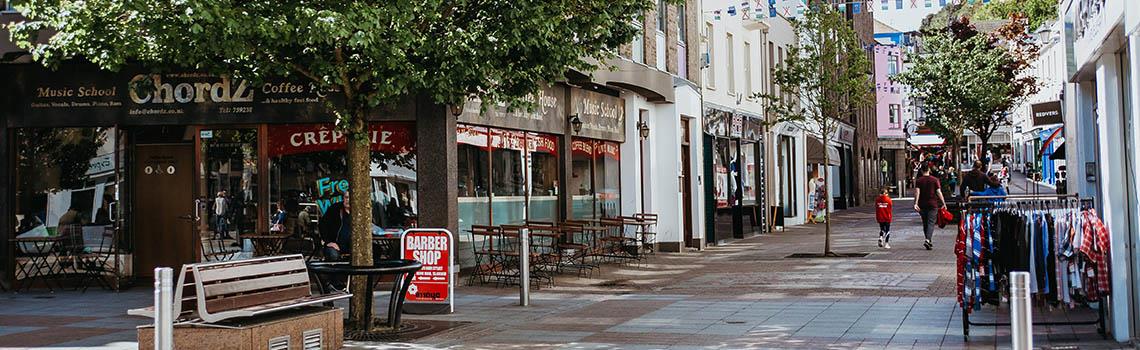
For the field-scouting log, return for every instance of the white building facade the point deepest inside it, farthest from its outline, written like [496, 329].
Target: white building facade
[754, 171]
[1101, 50]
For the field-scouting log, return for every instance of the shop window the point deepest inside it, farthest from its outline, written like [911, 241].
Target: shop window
[581, 184]
[543, 204]
[309, 174]
[474, 175]
[508, 181]
[748, 169]
[230, 170]
[506, 177]
[607, 160]
[67, 182]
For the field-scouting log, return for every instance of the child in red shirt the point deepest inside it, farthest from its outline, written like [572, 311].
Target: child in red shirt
[884, 208]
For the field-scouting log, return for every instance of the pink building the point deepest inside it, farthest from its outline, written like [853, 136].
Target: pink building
[889, 95]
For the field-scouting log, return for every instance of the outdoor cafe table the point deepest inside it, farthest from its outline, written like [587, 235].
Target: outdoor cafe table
[39, 253]
[403, 269]
[267, 244]
[388, 244]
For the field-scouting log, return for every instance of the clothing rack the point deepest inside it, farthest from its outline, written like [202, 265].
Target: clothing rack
[1070, 199]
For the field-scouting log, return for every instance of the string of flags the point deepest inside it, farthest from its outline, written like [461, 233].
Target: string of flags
[795, 8]
[782, 8]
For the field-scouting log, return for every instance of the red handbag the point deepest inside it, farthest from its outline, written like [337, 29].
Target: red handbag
[945, 217]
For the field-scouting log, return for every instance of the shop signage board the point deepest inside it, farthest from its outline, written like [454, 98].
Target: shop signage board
[547, 112]
[80, 94]
[389, 137]
[603, 116]
[433, 284]
[1047, 113]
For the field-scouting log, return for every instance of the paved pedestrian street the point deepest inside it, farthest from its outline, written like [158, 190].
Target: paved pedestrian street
[741, 295]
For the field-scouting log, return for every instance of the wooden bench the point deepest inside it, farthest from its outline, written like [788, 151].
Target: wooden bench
[213, 292]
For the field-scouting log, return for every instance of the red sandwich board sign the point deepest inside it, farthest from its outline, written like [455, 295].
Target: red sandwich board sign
[433, 284]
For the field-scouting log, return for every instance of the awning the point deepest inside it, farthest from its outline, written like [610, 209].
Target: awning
[925, 140]
[815, 151]
[1059, 153]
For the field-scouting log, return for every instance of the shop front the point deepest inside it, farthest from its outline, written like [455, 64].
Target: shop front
[733, 149]
[558, 161]
[179, 165]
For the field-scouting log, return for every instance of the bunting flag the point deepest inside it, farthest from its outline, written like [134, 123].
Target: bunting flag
[716, 15]
[842, 8]
[799, 10]
[732, 11]
[856, 8]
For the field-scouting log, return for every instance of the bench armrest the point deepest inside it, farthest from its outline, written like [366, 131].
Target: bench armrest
[144, 312]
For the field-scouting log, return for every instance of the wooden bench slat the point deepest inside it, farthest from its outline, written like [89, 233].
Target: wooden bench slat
[239, 286]
[254, 299]
[227, 273]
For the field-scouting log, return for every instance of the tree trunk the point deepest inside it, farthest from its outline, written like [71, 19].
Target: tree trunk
[825, 131]
[360, 188]
[827, 199]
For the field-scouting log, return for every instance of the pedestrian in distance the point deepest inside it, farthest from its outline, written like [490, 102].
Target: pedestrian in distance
[884, 210]
[928, 201]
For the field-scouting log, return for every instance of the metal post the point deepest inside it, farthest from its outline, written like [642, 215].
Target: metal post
[163, 308]
[1020, 312]
[524, 267]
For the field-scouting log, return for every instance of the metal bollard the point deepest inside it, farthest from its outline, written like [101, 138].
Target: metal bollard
[524, 267]
[163, 308]
[1020, 311]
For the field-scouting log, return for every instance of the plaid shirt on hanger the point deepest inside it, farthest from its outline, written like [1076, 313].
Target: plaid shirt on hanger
[1095, 246]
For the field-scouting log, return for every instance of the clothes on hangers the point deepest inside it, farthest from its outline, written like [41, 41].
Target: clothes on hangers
[1066, 252]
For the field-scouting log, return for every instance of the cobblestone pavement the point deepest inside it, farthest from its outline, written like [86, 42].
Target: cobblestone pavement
[741, 295]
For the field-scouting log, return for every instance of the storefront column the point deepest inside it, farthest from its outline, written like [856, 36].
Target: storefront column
[8, 250]
[436, 167]
[1133, 134]
[1112, 179]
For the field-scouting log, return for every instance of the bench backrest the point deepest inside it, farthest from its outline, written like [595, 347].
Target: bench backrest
[233, 285]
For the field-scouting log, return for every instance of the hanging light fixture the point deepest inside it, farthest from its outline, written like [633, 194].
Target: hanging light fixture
[575, 123]
[643, 128]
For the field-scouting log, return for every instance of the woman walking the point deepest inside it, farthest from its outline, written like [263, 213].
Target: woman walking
[928, 201]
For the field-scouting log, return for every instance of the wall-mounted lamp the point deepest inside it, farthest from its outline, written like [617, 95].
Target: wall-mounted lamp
[455, 109]
[575, 123]
[643, 129]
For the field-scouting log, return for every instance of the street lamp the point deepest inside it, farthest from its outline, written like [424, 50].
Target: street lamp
[643, 129]
[575, 123]
[455, 109]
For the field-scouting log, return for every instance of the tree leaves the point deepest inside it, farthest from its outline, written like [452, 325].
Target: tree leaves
[968, 80]
[826, 77]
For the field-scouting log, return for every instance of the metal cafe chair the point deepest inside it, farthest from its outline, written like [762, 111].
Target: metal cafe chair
[647, 230]
[617, 245]
[544, 252]
[508, 253]
[96, 263]
[487, 260]
[574, 248]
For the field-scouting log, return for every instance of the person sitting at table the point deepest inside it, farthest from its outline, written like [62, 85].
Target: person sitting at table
[335, 227]
[277, 222]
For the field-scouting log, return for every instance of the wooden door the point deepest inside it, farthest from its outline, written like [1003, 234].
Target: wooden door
[686, 198]
[686, 186]
[164, 232]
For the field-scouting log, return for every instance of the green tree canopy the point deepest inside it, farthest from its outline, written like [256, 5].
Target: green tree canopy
[968, 80]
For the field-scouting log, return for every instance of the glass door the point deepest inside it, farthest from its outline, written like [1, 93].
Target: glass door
[228, 175]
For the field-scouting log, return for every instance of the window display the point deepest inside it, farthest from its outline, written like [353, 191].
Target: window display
[596, 175]
[308, 173]
[67, 179]
[543, 177]
[506, 176]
